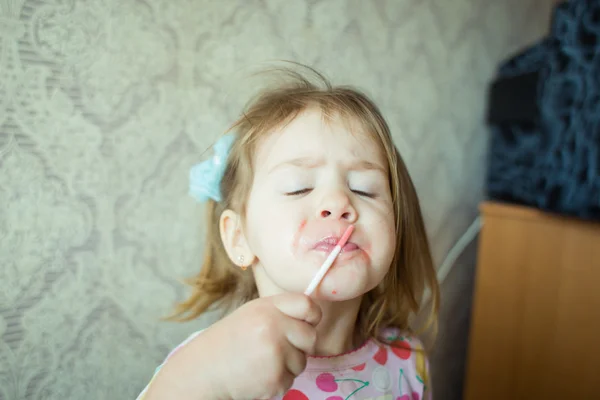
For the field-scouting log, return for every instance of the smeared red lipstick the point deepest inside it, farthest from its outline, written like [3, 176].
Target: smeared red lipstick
[298, 234]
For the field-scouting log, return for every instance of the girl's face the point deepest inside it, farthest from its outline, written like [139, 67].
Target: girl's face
[312, 180]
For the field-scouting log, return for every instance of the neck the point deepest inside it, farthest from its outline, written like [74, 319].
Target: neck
[336, 331]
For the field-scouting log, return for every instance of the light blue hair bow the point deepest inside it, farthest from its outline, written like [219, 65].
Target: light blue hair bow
[205, 178]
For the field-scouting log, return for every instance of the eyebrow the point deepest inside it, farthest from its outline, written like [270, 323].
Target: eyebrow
[311, 163]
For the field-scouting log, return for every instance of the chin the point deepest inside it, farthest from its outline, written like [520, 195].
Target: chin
[335, 298]
[334, 288]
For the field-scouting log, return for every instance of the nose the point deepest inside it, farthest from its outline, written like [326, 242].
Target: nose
[336, 205]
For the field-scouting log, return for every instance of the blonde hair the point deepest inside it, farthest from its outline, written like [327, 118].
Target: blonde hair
[397, 298]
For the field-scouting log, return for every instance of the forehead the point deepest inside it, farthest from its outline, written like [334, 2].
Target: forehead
[310, 134]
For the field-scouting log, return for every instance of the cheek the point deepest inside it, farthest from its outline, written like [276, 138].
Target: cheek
[393, 242]
[273, 236]
[387, 238]
[298, 234]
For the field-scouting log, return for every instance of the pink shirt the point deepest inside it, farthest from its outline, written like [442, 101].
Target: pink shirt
[375, 371]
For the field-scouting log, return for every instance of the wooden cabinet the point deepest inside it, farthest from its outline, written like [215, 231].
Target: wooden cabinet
[535, 328]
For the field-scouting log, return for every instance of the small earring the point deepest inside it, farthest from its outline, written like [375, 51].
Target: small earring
[241, 262]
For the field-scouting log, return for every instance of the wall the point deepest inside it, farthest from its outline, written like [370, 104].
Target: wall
[104, 106]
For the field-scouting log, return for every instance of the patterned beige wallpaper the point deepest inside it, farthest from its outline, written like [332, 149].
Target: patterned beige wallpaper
[104, 106]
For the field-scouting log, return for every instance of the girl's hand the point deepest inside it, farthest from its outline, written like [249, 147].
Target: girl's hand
[254, 353]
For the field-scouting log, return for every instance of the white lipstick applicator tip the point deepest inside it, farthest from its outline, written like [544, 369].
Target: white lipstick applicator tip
[329, 261]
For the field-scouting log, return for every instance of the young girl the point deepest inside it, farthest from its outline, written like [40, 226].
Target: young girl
[305, 162]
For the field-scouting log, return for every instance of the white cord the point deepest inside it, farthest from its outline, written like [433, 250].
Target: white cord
[460, 246]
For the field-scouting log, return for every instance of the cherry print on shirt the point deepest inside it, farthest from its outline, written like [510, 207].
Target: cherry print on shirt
[415, 396]
[335, 398]
[381, 356]
[347, 387]
[327, 383]
[363, 383]
[295, 394]
[359, 367]
[401, 349]
[400, 381]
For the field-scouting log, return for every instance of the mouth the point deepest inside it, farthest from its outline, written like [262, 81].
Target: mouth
[328, 244]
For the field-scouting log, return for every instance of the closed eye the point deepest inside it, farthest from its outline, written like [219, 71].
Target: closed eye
[364, 194]
[299, 192]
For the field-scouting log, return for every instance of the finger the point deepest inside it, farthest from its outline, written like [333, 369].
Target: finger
[295, 361]
[286, 384]
[298, 306]
[301, 335]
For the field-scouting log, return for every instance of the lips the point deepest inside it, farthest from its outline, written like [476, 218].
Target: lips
[328, 244]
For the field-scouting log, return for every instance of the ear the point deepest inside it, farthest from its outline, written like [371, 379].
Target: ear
[234, 240]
